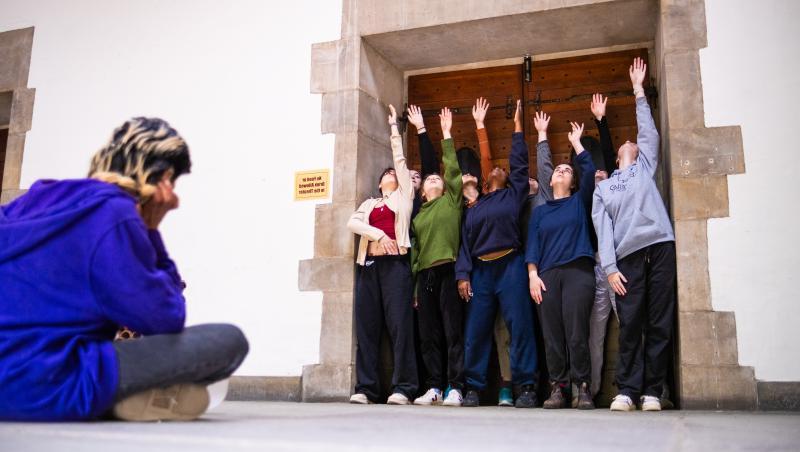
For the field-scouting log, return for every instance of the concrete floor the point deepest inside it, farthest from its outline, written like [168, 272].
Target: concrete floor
[266, 426]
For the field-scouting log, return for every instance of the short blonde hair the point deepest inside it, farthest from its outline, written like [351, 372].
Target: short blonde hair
[138, 155]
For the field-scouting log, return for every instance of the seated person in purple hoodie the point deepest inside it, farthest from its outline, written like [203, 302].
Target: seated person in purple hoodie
[81, 258]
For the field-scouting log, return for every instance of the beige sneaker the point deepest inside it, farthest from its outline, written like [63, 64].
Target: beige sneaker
[622, 403]
[183, 402]
[398, 399]
[650, 403]
[360, 399]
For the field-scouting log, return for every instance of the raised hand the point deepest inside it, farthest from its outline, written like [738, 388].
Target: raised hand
[479, 112]
[415, 117]
[446, 120]
[637, 72]
[541, 120]
[575, 136]
[392, 115]
[518, 117]
[598, 106]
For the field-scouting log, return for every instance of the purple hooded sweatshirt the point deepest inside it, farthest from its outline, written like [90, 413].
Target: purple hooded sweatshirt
[76, 263]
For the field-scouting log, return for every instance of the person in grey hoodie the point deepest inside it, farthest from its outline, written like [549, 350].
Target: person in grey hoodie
[636, 245]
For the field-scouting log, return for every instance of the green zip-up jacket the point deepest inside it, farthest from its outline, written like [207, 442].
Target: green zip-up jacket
[437, 226]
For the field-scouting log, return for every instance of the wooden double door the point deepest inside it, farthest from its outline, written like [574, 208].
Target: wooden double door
[561, 88]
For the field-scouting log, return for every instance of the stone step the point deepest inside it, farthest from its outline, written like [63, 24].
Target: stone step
[717, 387]
[708, 338]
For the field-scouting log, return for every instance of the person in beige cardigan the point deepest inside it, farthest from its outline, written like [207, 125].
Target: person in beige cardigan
[384, 282]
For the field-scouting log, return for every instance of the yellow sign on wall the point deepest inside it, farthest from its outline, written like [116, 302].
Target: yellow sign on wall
[311, 184]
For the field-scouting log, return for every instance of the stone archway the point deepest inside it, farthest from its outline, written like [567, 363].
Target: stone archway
[360, 74]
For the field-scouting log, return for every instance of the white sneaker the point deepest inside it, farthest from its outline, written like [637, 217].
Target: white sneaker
[398, 399]
[650, 403]
[360, 399]
[453, 398]
[622, 403]
[432, 397]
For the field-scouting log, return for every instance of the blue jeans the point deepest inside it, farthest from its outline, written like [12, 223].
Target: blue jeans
[200, 354]
[502, 282]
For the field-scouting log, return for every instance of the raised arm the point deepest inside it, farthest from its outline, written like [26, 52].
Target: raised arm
[452, 173]
[400, 167]
[587, 168]
[647, 138]
[426, 152]
[544, 159]
[479, 115]
[518, 161]
[598, 108]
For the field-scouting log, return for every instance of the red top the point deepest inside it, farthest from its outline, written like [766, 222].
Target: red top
[383, 218]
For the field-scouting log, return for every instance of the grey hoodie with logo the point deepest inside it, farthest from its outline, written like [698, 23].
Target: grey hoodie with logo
[627, 211]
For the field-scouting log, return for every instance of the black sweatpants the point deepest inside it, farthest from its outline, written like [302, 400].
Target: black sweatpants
[564, 314]
[646, 310]
[383, 296]
[441, 326]
[201, 354]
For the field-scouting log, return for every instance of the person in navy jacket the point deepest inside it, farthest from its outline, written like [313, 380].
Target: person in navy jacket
[490, 270]
[560, 261]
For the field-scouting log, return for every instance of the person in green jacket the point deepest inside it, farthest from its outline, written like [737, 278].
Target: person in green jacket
[437, 229]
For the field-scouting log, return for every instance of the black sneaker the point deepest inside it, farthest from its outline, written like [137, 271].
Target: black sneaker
[527, 397]
[471, 399]
[556, 399]
[585, 401]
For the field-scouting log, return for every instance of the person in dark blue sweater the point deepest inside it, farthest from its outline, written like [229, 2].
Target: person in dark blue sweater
[81, 258]
[561, 272]
[491, 271]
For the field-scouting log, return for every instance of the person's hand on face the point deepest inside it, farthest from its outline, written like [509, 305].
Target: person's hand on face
[163, 200]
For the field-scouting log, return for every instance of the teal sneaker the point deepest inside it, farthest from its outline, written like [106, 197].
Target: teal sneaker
[506, 398]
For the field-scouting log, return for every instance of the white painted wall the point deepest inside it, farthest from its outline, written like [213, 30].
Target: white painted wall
[750, 77]
[233, 78]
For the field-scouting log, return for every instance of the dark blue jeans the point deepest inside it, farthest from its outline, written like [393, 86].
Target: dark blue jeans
[200, 354]
[504, 283]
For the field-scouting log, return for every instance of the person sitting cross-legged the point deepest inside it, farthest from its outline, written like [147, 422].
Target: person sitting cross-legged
[80, 259]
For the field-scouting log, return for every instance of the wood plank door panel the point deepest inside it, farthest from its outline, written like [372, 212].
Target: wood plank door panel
[560, 87]
[563, 89]
[459, 90]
